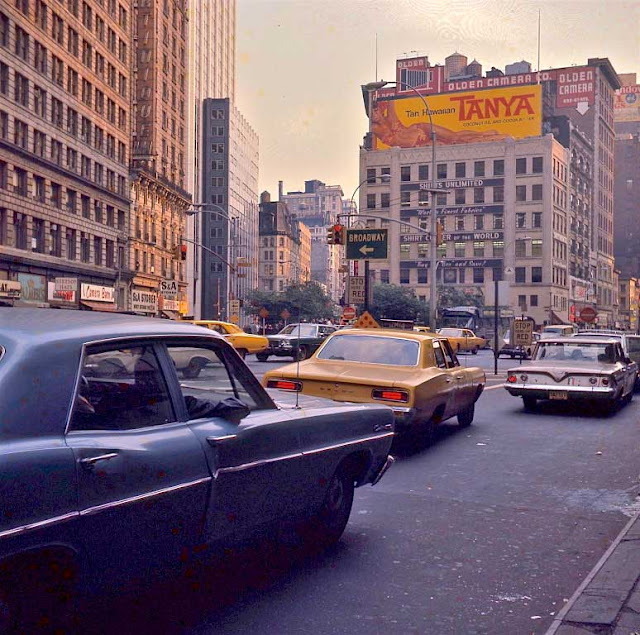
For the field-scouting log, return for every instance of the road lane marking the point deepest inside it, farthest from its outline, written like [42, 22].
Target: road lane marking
[492, 387]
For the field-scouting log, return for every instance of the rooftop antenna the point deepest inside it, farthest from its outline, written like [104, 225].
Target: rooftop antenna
[376, 56]
[538, 46]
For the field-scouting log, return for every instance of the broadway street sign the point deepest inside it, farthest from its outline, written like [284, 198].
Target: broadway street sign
[367, 244]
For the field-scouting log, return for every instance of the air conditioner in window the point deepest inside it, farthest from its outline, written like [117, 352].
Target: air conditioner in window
[54, 227]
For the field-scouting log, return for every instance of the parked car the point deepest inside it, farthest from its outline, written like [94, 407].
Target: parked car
[244, 343]
[296, 340]
[523, 352]
[556, 330]
[463, 339]
[630, 344]
[417, 374]
[111, 475]
[578, 368]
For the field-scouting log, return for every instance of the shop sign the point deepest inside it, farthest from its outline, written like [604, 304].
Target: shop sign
[63, 290]
[34, 288]
[458, 264]
[66, 284]
[10, 289]
[144, 301]
[96, 293]
[169, 289]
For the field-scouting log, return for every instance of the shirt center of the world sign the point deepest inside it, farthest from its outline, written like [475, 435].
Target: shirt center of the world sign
[367, 244]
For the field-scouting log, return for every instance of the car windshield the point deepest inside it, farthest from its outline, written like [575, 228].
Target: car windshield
[373, 349]
[575, 352]
[451, 332]
[300, 330]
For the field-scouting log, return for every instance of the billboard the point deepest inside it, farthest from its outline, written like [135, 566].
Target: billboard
[458, 118]
[627, 104]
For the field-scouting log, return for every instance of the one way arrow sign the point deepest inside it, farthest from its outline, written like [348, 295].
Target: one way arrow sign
[371, 244]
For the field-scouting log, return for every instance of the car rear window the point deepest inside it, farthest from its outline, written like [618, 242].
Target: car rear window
[372, 349]
[633, 347]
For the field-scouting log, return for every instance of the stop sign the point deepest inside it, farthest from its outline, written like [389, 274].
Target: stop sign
[348, 313]
[588, 314]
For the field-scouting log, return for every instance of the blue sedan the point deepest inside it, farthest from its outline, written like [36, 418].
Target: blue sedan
[118, 460]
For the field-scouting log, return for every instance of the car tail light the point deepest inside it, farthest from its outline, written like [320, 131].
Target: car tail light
[285, 384]
[605, 381]
[389, 394]
[593, 380]
[512, 379]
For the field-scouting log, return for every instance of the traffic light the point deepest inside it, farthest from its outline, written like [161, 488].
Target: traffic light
[335, 234]
[439, 234]
[180, 252]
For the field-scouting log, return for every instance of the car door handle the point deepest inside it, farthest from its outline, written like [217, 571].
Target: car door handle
[379, 427]
[90, 461]
[213, 441]
[459, 377]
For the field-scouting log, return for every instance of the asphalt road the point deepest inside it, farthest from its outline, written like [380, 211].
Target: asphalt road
[483, 530]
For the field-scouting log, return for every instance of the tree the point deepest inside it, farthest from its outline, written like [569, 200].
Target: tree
[451, 296]
[394, 302]
[306, 301]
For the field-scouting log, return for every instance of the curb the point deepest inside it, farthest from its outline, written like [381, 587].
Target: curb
[562, 614]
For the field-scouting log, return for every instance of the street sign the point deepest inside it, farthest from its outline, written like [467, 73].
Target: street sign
[356, 290]
[284, 314]
[234, 306]
[522, 333]
[366, 321]
[348, 313]
[588, 314]
[367, 244]
[263, 313]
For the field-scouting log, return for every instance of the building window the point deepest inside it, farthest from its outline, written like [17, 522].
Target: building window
[384, 200]
[498, 248]
[461, 170]
[56, 239]
[97, 211]
[423, 172]
[20, 230]
[423, 276]
[423, 197]
[56, 152]
[478, 221]
[521, 248]
[498, 167]
[3, 175]
[536, 248]
[39, 187]
[37, 241]
[478, 275]
[21, 90]
[459, 249]
[40, 58]
[536, 219]
[39, 143]
[85, 248]
[405, 173]
[533, 300]
[371, 175]
[536, 192]
[478, 168]
[72, 200]
[460, 223]
[521, 193]
[521, 165]
[22, 44]
[521, 275]
[478, 195]
[442, 170]
[20, 133]
[405, 199]
[4, 78]
[71, 244]
[404, 276]
[498, 194]
[97, 250]
[441, 199]
[56, 195]
[461, 196]
[536, 274]
[371, 201]
[22, 187]
[521, 220]
[537, 166]
[478, 249]
[405, 252]
[110, 254]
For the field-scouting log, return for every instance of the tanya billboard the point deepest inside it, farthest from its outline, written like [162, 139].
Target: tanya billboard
[464, 117]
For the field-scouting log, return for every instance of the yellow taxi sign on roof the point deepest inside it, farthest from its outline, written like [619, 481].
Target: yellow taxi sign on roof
[366, 321]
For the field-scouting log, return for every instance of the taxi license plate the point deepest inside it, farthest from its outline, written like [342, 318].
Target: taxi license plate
[557, 394]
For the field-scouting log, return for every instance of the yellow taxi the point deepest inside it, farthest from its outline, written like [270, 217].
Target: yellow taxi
[244, 343]
[463, 339]
[416, 374]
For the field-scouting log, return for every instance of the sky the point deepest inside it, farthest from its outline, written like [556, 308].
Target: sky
[300, 64]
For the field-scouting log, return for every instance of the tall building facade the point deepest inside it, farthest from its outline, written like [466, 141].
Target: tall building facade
[65, 125]
[285, 247]
[504, 216]
[318, 208]
[228, 218]
[577, 106]
[158, 188]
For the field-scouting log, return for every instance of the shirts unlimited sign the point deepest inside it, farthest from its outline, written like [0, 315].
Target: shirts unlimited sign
[144, 301]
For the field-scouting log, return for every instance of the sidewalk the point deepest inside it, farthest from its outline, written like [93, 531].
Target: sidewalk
[608, 600]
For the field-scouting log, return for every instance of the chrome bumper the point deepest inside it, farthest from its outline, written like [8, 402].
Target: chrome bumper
[596, 392]
[387, 464]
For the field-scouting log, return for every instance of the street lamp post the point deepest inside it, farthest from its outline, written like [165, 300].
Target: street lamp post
[433, 296]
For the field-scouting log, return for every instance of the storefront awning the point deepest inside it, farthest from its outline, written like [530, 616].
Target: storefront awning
[100, 306]
[172, 315]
